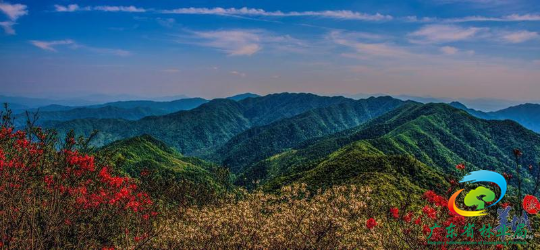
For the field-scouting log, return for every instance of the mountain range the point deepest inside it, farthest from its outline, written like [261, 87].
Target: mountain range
[527, 114]
[279, 139]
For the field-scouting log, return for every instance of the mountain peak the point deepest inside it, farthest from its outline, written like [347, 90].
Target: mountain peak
[243, 96]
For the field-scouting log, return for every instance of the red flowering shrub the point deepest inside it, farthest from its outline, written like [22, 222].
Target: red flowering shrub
[65, 199]
[460, 166]
[395, 212]
[371, 223]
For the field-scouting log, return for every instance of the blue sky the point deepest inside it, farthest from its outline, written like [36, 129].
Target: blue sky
[440, 48]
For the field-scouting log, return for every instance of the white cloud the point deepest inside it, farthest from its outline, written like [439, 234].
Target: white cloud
[68, 8]
[232, 42]
[519, 36]
[170, 71]
[51, 44]
[448, 50]
[8, 27]
[371, 49]
[243, 42]
[337, 14]
[443, 34]
[119, 9]
[13, 11]
[240, 74]
[105, 8]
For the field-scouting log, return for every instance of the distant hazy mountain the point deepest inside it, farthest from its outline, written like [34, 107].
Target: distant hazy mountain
[242, 96]
[28, 102]
[527, 115]
[163, 107]
[81, 113]
[127, 110]
[206, 127]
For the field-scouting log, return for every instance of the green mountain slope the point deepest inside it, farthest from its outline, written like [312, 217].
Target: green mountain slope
[258, 143]
[166, 168]
[361, 163]
[437, 135]
[206, 127]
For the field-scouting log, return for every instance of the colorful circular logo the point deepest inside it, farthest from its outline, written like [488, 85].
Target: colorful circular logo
[479, 196]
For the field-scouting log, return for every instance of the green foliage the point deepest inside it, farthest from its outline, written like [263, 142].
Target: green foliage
[165, 173]
[261, 142]
[436, 134]
[206, 127]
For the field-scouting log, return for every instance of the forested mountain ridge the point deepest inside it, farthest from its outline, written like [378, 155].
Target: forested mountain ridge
[206, 127]
[260, 142]
[437, 135]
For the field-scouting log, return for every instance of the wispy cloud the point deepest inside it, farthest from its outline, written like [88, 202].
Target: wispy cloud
[369, 49]
[508, 18]
[105, 8]
[8, 27]
[337, 14]
[49, 45]
[52, 46]
[236, 73]
[170, 71]
[232, 42]
[448, 50]
[519, 36]
[242, 42]
[13, 12]
[444, 34]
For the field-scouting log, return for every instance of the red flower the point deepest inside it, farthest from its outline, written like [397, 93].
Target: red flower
[426, 230]
[429, 212]
[508, 176]
[371, 223]
[395, 212]
[407, 218]
[418, 221]
[460, 166]
[505, 205]
[499, 246]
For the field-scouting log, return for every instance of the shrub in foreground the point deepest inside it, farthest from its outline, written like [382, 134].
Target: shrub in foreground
[53, 198]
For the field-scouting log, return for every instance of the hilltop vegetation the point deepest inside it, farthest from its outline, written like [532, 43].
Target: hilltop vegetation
[206, 127]
[435, 134]
[322, 172]
[258, 143]
[166, 173]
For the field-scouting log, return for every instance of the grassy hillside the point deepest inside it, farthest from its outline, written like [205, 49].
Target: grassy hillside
[437, 135]
[258, 143]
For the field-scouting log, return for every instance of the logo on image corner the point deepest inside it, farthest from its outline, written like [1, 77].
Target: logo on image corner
[481, 195]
